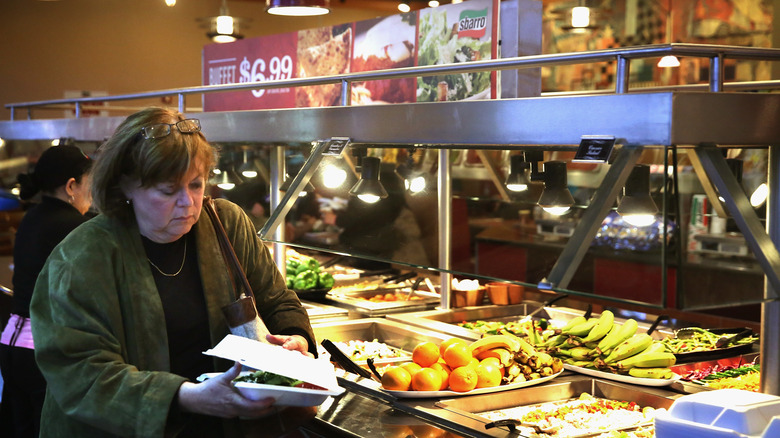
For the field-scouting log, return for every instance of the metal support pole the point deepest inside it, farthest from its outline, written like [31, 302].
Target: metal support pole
[278, 170]
[298, 183]
[770, 309]
[78, 109]
[346, 93]
[744, 215]
[622, 74]
[603, 199]
[445, 227]
[716, 73]
[182, 104]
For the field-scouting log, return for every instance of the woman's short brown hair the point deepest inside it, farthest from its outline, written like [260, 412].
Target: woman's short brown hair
[129, 156]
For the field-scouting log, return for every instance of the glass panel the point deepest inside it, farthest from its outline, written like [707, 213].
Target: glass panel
[502, 235]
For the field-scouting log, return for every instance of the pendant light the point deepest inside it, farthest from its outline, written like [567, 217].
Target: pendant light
[404, 6]
[637, 207]
[297, 8]
[248, 168]
[368, 189]
[556, 198]
[517, 180]
[224, 27]
[669, 60]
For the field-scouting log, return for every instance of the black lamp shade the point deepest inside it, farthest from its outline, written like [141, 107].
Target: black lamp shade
[637, 206]
[517, 181]
[368, 186]
[556, 193]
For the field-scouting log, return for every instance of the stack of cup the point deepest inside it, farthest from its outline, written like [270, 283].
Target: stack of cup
[501, 294]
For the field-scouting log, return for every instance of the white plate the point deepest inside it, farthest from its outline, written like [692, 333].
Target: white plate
[429, 394]
[621, 377]
[284, 395]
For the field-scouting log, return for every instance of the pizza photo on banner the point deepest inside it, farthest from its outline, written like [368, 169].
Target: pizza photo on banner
[324, 51]
[456, 33]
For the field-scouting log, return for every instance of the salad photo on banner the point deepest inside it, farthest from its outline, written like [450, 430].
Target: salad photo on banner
[457, 33]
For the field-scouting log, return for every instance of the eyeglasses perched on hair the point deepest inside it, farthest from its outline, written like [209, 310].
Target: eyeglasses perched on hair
[186, 126]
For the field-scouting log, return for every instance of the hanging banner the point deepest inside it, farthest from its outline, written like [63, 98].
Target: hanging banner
[452, 33]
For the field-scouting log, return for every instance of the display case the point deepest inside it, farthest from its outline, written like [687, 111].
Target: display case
[474, 227]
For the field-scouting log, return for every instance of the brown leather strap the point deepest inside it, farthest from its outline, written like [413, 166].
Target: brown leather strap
[227, 249]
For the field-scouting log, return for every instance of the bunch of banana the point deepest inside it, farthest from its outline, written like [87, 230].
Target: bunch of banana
[611, 347]
[520, 359]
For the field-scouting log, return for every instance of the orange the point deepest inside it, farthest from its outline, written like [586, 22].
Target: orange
[463, 379]
[445, 374]
[488, 375]
[425, 354]
[396, 379]
[427, 379]
[443, 346]
[473, 362]
[494, 361]
[411, 367]
[457, 355]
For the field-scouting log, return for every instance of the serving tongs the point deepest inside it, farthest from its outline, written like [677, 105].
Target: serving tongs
[726, 340]
[344, 361]
[548, 303]
[512, 424]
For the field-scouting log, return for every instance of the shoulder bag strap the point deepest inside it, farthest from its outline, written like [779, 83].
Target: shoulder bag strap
[227, 249]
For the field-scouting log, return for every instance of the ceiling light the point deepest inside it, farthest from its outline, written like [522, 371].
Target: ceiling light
[637, 207]
[297, 8]
[368, 188]
[404, 6]
[227, 180]
[223, 28]
[517, 181]
[580, 17]
[556, 198]
[669, 61]
[758, 197]
[414, 180]
[433, 4]
[170, 3]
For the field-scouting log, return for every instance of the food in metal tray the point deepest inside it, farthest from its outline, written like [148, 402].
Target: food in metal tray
[359, 351]
[745, 376]
[700, 339]
[584, 415]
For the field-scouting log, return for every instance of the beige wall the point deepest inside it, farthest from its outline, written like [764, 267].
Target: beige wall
[118, 46]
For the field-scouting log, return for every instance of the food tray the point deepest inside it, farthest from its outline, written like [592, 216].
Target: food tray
[621, 377]
[690, 387]
[358, 301]
[439, 394]
[282, 395]
[698, 356]
[463, 413]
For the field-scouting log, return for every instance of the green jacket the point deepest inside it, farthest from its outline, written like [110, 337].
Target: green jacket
[99, 329]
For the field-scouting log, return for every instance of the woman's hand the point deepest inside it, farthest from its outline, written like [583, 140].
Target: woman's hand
[293, 342]
[217, 397]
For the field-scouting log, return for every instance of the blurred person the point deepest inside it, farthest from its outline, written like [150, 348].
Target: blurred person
[128, 303]
[61, 177]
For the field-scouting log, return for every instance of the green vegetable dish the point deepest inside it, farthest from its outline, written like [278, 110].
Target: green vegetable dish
[268, 379]
[440, 45]
[306, 275]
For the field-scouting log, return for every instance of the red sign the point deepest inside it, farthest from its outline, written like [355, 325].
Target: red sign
[252, 60]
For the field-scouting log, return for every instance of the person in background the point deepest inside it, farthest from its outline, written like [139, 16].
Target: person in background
[128, 303]
[61, 176]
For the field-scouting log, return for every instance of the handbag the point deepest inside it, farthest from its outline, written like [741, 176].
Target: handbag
[241, 315]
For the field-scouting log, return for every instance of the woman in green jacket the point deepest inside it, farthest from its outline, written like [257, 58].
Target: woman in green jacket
[127, 303]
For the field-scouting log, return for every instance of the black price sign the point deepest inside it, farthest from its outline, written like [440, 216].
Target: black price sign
[335, 145]
[594, 148]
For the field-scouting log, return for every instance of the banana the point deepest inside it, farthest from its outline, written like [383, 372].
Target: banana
[540, 360]
[631, 346]
[617, 335]
[651, 373]
[582, 329]
[602, 327]
[557, 364]
[554, 341]
[580, 363]
[647, 359]
[509, 342]
[504, 356]
[580, 353]
[572, 322]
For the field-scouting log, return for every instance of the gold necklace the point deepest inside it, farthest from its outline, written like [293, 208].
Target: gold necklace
[180, 267]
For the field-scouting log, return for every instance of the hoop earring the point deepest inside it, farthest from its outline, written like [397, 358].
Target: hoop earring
[128, 202]
[70, 201]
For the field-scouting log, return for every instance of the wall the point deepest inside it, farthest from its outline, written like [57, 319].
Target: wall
[118, 46]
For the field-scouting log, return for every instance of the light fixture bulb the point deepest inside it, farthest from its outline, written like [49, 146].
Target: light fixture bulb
[580, 16]
[639, 220]
[416, 185]
[517, 180]
[433, 4]
[225, 25]
[759, 195]
[556, 211]
[637, 207]
[333, 177]
[170, 3]
[556, 198]
[369, 199]
[669, 61]
[297, 8]
[368, 188]
[404, 7]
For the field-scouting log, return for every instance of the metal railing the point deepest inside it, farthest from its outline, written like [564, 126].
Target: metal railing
[622, 56]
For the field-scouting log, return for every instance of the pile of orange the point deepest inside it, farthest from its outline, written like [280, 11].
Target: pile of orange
[449, 365]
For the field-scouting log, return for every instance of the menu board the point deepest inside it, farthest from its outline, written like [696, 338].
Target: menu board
[447, 34]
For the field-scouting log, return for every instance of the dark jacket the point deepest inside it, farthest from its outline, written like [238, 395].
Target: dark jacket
[42, 228]
[100, 332]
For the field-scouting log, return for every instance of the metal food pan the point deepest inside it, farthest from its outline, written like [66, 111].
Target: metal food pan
[320, 312]
[392, 333]
[461, 413]
[358, 301]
